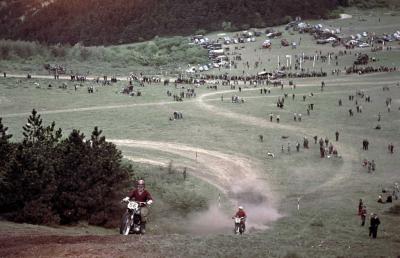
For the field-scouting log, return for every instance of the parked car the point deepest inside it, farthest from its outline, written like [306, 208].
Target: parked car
[363, 45]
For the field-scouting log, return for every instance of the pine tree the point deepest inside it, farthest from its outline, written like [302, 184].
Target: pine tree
[33, 129]
[5, 145]
[49, 180]
[6, 152]
[34, 132]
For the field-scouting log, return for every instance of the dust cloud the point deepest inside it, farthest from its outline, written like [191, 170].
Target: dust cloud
[256, 202]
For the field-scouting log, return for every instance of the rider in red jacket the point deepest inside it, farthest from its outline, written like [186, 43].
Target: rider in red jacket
[140, 194]
[241, 214]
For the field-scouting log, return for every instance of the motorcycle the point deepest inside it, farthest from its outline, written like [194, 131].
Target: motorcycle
[131, 221]
[239, 225]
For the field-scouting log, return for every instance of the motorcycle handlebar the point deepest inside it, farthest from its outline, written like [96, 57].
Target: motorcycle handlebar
[134, 201]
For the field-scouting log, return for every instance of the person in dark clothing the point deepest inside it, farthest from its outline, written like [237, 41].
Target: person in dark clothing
[337, 135]
[360, 206]
[374, 223]
[363, 215]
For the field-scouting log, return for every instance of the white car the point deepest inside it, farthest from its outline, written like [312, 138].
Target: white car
[191, 70]
[363, 45]
[331, 39]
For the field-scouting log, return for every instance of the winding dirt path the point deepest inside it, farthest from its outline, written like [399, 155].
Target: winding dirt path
[236, 176]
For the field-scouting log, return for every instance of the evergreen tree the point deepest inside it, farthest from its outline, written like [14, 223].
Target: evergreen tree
[47, 180]
[6, 151]
[5, 146]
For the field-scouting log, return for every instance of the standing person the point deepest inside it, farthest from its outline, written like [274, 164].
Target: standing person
[391, 148]
[305, 142]
[326, 141]
[321, 142]
[315, 139]
[360, 206]
[337, 136]
[184, 174]
[363, 215]
[140, 194]
[373, 165]
[271, 116]
[396, 191]
[297, 146]
[374, 223]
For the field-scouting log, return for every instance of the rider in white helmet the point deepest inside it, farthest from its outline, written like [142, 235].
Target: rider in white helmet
[140, 194]
[241, 214]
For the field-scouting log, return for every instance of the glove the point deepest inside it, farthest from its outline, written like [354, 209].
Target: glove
[149, 202]
[125, 199]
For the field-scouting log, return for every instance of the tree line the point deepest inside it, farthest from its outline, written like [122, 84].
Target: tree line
[106, 22]
[45, 179]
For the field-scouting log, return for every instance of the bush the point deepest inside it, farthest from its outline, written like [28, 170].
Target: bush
[184, 201]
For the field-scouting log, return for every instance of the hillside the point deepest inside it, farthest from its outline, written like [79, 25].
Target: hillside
[105, 22]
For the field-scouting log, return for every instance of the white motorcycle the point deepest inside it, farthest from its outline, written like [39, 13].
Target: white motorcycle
[239, 225]
[131, 221]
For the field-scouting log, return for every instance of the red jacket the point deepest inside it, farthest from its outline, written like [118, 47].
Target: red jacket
[144, 197]
[240, 214]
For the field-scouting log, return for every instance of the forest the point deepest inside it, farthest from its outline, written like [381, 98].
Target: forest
[107, 22]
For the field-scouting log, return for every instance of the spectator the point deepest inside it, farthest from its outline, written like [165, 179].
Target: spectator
[374, 223]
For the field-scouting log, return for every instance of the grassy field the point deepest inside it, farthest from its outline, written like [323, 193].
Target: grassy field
[217, 137]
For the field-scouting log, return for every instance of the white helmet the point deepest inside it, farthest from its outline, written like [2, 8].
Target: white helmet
[240, 207]
[140, 182]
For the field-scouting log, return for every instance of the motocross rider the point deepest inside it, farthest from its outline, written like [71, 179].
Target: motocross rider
[140, 194]
[241, 214]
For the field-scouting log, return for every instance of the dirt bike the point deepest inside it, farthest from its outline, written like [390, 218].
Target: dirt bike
[239, 225]
[131, 221]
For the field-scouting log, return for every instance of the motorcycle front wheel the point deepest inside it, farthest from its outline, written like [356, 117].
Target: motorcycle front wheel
[236, 230]
[125, 226]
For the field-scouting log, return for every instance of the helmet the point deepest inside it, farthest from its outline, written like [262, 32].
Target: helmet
[240, 207]
[140, 182]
